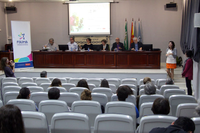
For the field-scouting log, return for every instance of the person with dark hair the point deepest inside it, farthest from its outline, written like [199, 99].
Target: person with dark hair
[82, 83]
[104, 46]
[122, 93]
[43, 74]
[11, 120]
[181, 125]
[146, 80]
[171, 54]
[161, 106]
[8, 67]
[56, 82]
[117, 46]
[104, 83]
[188, 71]
[73, 46]
[88, 46]
[54, 93]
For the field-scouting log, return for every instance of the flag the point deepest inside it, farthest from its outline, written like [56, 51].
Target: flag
[126, 36]
[132, 32]
[139, 31]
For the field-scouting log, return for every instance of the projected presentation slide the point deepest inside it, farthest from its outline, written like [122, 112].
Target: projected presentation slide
[89, 19]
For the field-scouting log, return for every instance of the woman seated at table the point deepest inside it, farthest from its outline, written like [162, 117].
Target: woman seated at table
[87, 46]
[104, 46]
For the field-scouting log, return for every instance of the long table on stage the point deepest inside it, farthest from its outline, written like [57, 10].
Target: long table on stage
[96, 59]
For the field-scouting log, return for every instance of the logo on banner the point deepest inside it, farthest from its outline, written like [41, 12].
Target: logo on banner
[22, 40]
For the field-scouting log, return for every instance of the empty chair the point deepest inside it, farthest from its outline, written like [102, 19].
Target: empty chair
[113, 88]
[91, 86]
[35, 89]
[67, 86]
[187, 110]
[34, 122]
[10, 88]
[9, 84]
[69, 97]
[114, 81]
[45, 86]
[70, 123]
[112, 123]
[37, 97]
[103, 90]
[38, 81]
[141, 92]
[96, 82]
[10, 95]
[63, 80]
[51, 78]
[160, 82]
[67, 78]
[130, 98]
[170, 92]
[28, 84]
[164, 87]
[9, 79]
[1, 103]
[99, 97]
[141, 87]
[77, 90]
[121, 107]
[147, 123]
[24, 80]
[50, 107]
[175, 100]
[129, 81]
[34, 78]
[197, 124]
[62, 89]
[74, 80]
[145, 109]
[141, 82]
[90, 108]
[23, 104]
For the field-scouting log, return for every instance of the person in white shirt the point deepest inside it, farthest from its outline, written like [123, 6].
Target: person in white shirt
[73, 46]
[51, 46]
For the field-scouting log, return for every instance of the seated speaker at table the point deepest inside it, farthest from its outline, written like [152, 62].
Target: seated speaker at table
[104, 46]
[51, 46]
[118, 46]
[136, 45]
[73, 46]
[88, 46]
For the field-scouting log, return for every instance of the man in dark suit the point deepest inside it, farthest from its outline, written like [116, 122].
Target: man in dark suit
[136, 46]
[118, 46]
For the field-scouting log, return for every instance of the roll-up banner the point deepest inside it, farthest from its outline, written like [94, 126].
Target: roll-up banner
[21, 38]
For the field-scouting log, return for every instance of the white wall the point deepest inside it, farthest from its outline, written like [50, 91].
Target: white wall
[159, 26]
[2, 27]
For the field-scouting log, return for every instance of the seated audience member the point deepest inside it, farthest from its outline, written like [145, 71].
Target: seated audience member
[54, 93]
[43, 74]
[88, 46]
[51, 46]
[136, 46]
[104, 46]
[117, 46]
[56, 82]
[146, 80]
[86, 95]
[181, 125]
[11, 120]
[104, 83]
[82, 83]
[161, 106]
[24, 93]
[8, 67]
[73, 46]
[122, 94]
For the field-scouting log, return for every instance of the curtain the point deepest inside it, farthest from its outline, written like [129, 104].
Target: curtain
[189, 39]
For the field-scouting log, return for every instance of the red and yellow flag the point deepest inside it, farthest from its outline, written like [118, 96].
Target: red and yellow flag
[132, 32]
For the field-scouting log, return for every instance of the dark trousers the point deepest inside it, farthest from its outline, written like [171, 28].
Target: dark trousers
[188, 85]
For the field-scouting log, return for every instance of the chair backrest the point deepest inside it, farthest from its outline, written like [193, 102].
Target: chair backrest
[147, 123]
[145, 109]
[96, 82]
[1, 103]
[113, 88]
[114, 81]
[34, 122]
[160, 82]
[197, 124]
[67, 78]
[90, 108]
[9, 84]
[10, 88]
[112, 123]
[77, 90]
[51, 78]
[70, 123]
[175, 100]
[10, 95]
[74, 80]
[37, 97]
[38, 81]
[67, 86]
[129, 81]
[23, 104]
[130, 98]
[35, 89]
[141, 82]
[63, 80]
[28, 84]
[62, 89]
[141, 87]
[187, 110]
[9, 79]
[91, 86]
[50, 107]
[24, 80]
[149, 98]
[170, 92]
[69, 97]
[121, 107]
[101, 98]
[141, 92]
[103, 90]
[164, 87]
[45, 86]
